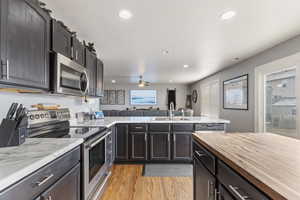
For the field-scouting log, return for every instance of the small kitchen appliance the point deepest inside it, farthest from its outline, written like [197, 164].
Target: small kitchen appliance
[13, 129]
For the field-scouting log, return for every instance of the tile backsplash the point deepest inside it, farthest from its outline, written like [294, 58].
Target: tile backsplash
[75, 104]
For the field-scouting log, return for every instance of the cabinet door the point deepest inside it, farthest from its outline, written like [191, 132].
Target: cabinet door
[138, 146]
[204, 182]
[78, 54]
[122, 142]
[160, 146]
[66, 188]
[99, 80]
[182, 146]
[25, 30]
[91, 65]
[61, 39]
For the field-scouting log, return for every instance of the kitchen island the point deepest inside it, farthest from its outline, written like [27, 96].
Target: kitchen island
[247, 165]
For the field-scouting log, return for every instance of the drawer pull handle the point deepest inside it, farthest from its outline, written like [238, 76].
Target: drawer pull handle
[236, 192]
[210, 192]
[199, 155]
[139, 127]
[46, 179]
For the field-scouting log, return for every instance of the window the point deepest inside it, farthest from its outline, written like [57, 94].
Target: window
[210, 99]
[277, 97]
[143, 97]
[280, 102]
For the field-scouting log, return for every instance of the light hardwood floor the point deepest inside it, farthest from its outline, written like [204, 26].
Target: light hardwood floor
[127, 183]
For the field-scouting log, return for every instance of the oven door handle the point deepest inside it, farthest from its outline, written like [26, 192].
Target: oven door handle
[94, 143]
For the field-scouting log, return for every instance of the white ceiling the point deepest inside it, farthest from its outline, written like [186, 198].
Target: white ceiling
[191, 30]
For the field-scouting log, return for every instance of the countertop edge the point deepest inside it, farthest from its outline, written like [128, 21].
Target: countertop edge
[252, 179]
[19, 175]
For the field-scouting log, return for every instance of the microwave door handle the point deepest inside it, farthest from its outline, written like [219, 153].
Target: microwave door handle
[87, 83]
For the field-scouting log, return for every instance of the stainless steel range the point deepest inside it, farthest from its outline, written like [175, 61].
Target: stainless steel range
[97, 158]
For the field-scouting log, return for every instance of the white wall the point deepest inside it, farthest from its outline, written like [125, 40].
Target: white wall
[181, 92]
[241, 120]
[75, 104]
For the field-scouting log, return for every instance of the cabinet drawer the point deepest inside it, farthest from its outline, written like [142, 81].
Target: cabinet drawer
[138, 127]
[206, 158]
[159, 127]
[183, 127]
[237, 185]
[33, 185]
[212, 127]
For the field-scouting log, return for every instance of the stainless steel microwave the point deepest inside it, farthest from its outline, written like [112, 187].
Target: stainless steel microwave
[68, 77]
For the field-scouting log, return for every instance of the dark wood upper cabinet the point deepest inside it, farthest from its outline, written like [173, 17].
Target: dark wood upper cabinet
[25, 44]
[121, 142]
[182, 146]
[99, 80]
[91, 65]
[77, 53]
[61, 39]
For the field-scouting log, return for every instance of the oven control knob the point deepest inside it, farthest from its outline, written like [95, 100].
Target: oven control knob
[31, 117]
[42, 116]
[37, 116]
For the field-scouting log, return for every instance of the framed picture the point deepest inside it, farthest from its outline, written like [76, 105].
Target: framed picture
[235, 93]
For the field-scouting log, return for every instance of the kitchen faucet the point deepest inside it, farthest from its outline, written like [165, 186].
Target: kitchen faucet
[171, 110]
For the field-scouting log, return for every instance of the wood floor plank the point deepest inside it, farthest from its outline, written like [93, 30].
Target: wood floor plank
[127, 183]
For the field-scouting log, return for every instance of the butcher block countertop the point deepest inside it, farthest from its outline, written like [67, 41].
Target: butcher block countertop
[270, 162]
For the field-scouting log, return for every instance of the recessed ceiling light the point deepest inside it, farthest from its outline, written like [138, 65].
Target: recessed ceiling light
[165, 52]
[228, 15]
[113, 81]
[125, 14]
[171, 81]
[186, 66]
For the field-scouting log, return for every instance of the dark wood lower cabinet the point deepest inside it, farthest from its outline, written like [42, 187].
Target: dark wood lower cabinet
[224, 194]
[67, 188]
[121, 142]
[204, 182]
[209, 169]
[139, 146]
[182, 146]
[155, 142]
[160, 146]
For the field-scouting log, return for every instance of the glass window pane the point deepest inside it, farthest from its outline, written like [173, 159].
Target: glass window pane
[280, 115]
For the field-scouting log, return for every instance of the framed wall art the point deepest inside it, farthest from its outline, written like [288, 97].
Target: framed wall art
[236, 93]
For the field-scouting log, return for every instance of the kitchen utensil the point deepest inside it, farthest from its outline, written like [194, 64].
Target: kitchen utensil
[11, 111]
[41, 106]
[18, 112]
[14, 129]
[21, 116]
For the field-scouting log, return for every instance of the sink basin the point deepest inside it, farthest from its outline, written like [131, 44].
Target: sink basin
[171, 119]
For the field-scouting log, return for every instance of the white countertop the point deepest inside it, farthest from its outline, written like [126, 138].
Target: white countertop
[19, 162]
[110, 121]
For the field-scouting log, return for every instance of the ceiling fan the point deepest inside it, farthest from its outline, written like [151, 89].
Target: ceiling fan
[143, 83]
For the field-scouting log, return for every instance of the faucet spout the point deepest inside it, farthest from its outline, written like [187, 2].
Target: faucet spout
[171, 110]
